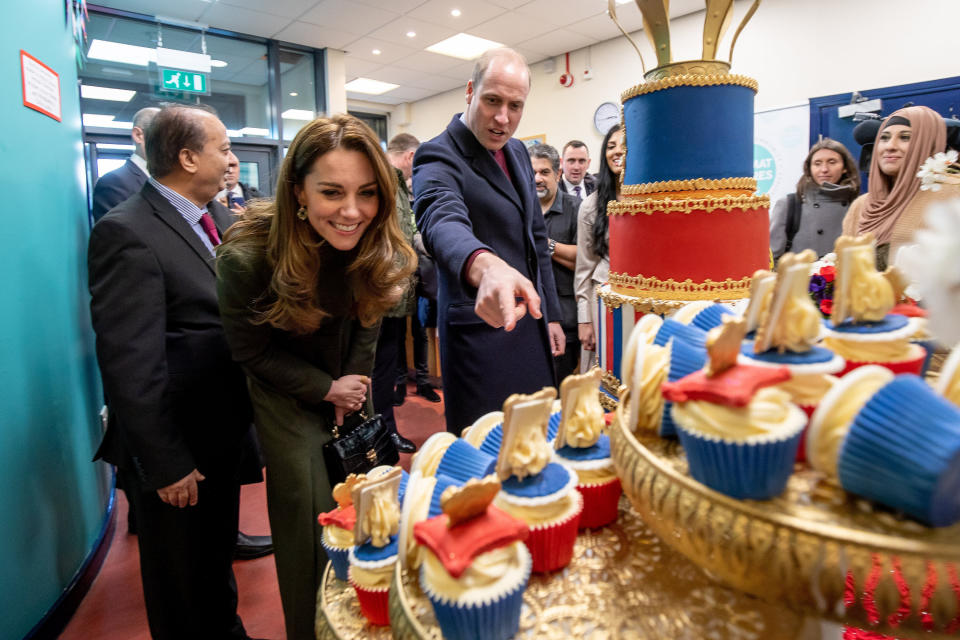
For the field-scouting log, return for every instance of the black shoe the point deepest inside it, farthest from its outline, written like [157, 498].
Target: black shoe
[403, 445]
[250, 547]
[399, 394]
[426, 391]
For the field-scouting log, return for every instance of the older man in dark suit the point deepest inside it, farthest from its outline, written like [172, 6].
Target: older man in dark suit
[179, 404]
[118, 185]
[479, 216]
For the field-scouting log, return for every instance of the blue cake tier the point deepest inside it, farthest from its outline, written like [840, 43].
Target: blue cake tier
[689, 132]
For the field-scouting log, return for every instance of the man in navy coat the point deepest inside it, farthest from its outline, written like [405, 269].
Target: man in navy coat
[118, 185]
[479, 216]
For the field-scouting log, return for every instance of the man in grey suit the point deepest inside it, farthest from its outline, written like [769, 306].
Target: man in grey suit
[179, 404]
[118, 185]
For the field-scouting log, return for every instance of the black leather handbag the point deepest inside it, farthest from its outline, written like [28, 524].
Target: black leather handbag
[359, 448]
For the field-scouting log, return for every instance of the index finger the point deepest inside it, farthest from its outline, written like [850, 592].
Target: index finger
[529, 293]
[507, 304]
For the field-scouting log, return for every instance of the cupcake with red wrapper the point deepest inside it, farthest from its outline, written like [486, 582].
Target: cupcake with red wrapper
[582, 446]
[891, 439]
[861, 328]
[475, 566]
[541, 493]
[740, 433]
[786, 336]
[376, 531]
[338, 525]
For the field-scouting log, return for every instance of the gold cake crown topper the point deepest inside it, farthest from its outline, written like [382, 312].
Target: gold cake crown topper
[723, 344]
[378, 508]
[656, 24]
[861, 293]
[469, 501]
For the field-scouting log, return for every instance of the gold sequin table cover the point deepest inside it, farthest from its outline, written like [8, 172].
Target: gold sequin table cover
[622, 584]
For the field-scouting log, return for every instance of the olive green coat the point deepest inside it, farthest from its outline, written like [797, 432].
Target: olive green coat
[288, 377]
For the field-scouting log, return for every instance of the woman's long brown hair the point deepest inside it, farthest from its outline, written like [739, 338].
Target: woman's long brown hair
[851, 174]
[381, 269]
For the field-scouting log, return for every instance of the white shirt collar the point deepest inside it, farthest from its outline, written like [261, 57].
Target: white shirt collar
[140, 162]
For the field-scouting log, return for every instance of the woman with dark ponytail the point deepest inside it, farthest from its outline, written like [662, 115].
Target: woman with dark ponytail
[593, 246]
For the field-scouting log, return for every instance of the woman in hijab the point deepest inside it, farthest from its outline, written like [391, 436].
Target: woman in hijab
[894, 206]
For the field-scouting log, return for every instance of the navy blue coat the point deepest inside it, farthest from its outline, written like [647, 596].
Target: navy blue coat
[115, 187]
[465, 202]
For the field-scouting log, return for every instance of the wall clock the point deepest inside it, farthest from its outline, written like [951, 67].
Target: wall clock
[606, 115]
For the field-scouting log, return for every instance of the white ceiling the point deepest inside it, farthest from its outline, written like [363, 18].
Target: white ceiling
[537, 28]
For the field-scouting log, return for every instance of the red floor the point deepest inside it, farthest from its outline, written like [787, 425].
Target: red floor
[113, 609]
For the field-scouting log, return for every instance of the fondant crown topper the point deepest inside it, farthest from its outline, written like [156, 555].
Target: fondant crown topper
[723, 344]
[791, 322]
[469, 501]
[581, 415]
[761, 293]
[524, 450]
[861, 293]
[656, 24]
[378, 508]
[343, 491]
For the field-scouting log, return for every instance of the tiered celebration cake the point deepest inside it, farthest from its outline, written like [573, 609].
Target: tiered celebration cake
[689, 226]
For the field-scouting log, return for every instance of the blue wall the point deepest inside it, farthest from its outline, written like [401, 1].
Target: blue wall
[53, 498]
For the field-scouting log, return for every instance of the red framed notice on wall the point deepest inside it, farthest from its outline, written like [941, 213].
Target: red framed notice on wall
[41, 86]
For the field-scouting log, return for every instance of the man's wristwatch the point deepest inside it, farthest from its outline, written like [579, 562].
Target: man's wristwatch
[551, 246]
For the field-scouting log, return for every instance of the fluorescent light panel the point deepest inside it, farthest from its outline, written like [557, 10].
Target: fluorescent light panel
[297, 114]
[370, 87]
[463, 46]
[254, 131]
[104, 120]
[123, 53]
[115, 147]
[106, 93]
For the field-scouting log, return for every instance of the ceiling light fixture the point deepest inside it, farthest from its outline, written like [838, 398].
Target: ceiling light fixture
[91, 92]
[123, 53]
[219, 64]
[411, 34]
[297, 114]
[294, 94]
[104, 120]
[376, 52]
[455, 13]
[254, 131]
[370, 87]
[463, 46]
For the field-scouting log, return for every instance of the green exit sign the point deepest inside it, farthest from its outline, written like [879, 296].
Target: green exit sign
[180, 80]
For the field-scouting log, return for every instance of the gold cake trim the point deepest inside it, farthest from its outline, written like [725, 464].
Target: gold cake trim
[687, 205]
[612, 384]
[695, 184]
[683, 290]
[644, 304]
[689, 80]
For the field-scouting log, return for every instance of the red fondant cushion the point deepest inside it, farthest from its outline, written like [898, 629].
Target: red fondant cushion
[909, 310]
[344, 518]
[456, 547]
[733, 388]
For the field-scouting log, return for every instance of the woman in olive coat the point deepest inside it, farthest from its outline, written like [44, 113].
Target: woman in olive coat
[303, 282]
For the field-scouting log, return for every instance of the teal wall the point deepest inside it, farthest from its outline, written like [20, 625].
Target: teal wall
[53, 498]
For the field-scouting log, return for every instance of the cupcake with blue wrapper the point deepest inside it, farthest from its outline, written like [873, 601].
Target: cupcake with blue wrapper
[376, 534]
[672, 329]
[463, 461]
[535, 490]
[582, 446]
[338, 525]
[645, 367]
[493, 435]
[703, 314]
[891, 439]
[428, 458]
[685, 358]
[786, 336]
[740, 434]
[476, 433]
[861, 328]
[475, 565]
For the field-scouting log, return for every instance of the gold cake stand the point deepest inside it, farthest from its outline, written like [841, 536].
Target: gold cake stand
[810, 549]
[622, 584]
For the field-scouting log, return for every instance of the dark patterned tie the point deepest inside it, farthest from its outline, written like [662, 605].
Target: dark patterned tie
[576, 190]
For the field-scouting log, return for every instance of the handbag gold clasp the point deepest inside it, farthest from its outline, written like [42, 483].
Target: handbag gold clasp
[372, 455]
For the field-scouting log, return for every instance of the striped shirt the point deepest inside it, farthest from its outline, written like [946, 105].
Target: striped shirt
[190, 212]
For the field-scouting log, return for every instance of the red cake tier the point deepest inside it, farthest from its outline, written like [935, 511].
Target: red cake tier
[688, 249]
